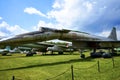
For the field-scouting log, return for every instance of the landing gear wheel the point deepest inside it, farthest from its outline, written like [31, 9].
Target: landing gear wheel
[60, 52]
[82, 56]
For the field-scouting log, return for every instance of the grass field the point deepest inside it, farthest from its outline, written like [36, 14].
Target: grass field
[57, 67]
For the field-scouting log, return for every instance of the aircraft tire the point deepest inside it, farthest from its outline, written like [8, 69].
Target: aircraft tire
[29, 54]
[4, 54]
[96, 55]
[60, 53]
[106, 55]
[82, 56]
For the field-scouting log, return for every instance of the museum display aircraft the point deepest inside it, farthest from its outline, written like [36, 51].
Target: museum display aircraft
[62, 48]
[9, 50]
[43, 47]
[80, 40]
[5, 50]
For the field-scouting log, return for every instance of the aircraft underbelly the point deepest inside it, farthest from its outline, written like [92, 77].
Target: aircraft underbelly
[96, 44]
[80, 44]
[109, 44]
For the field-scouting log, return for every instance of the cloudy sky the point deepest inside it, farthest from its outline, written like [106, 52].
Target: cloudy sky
[92, 16]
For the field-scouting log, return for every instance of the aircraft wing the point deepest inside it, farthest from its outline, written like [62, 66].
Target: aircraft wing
[44, 44]
[31, 37]
[36, 45]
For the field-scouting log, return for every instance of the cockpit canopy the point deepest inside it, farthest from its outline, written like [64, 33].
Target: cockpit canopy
[45, 29]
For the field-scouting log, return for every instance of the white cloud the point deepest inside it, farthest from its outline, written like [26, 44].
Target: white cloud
[107, 33]
[68, 12]
[64, 12]
[44, 24]
[56, 5]
[78, 14]
[2, 34]
[75, 12]
[32, 10]
[0, 18]
[118, 36]
[104, 33]
[6, 29]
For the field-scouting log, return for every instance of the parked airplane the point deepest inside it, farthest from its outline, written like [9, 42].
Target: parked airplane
[8, 50]
[4, 51]
[61, 48]
[33, 47]
[44, 47]
[79, 39]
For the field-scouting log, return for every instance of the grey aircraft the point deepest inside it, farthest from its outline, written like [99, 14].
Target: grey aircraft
[44, 47]
[32, 48]
[61, 48]
[8, 50]
[80, 40]
[5, 50]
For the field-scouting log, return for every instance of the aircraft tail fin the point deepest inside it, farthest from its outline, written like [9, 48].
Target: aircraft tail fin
[113, 34]
[8, 48]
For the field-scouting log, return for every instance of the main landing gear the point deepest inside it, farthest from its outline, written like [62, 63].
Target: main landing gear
[81, 54]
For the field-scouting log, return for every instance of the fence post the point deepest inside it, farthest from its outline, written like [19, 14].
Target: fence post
[72, 73]
[113, 62]
[13, 77]
[98, 66]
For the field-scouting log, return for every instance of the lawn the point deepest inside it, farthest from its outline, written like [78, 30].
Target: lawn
[58, 67]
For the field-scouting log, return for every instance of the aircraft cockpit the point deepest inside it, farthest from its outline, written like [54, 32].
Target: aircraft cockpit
[45, 29]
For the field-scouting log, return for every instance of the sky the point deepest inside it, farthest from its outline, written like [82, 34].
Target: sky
[96, 17]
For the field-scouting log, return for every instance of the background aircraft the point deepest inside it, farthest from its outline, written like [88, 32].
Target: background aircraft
[8, 50]
[45, 46]
[42, 47]
[4, 51]
[32, 48]
[61, 48]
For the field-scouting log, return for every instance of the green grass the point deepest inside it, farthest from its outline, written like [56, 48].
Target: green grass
[50, 67]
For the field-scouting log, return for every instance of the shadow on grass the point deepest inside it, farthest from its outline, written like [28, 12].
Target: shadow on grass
[11, 57]
[24, 56]
[51, 64]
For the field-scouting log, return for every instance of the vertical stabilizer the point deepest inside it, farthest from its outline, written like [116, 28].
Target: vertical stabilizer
[8, 48]
[113, 34]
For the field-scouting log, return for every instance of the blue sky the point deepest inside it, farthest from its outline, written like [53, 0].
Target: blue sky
[92, 16]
